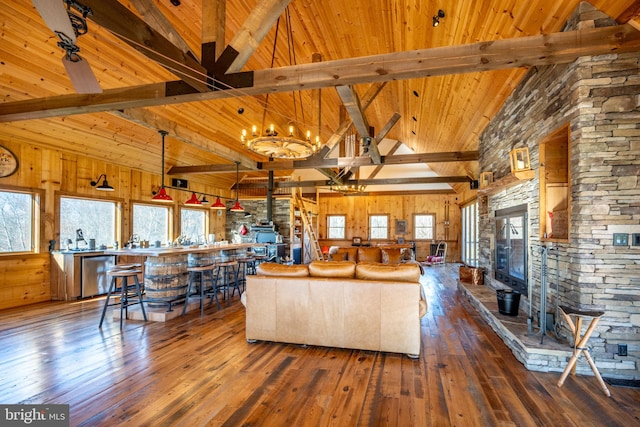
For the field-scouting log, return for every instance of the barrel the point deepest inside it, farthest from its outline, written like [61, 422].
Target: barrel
[166, 279]
[201, 259]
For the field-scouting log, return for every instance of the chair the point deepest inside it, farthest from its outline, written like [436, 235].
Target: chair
[227, 277]
[126, 289]
[580, 343]
[440, 255]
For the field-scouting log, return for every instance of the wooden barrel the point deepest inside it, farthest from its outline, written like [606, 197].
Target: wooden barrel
[165, 278]
[198, 260]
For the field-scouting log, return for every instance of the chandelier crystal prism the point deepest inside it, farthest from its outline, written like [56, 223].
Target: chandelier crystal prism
[282, 147]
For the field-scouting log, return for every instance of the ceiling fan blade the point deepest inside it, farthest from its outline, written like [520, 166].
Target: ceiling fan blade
[54, 14]
[81, 74]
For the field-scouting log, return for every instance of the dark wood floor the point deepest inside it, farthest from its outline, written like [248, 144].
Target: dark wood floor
[196, 371]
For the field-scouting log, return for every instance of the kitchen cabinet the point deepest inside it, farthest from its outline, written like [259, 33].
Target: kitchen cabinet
[75, 272]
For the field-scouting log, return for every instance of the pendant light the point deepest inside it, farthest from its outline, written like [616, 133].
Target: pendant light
[218, 204]
[162, 195]
[193, 200]
[237, 207]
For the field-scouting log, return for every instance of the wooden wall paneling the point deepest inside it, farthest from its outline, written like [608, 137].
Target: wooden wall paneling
[24, 280]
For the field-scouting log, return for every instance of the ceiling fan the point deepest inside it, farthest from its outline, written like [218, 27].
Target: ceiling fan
[68, 26]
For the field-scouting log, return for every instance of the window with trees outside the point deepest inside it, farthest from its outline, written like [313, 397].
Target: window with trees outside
[151, 222]
[336, 226]
[378, 227]
[470, 234]
[193, 224]
[424, 226]
[18, 219]
[83, 219]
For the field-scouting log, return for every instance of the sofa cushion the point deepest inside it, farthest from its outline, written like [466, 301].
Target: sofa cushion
[274, 269]
[340, 269]
[393, 272]
[351, 252]
[369, 254]
[392, 256]
[339, 256]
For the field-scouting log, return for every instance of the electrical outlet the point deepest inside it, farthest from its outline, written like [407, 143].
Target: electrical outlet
[622, 349]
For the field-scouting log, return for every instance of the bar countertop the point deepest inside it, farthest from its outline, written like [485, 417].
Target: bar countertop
[168, 251]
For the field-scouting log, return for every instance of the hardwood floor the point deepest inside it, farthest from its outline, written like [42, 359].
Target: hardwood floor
[196, 371]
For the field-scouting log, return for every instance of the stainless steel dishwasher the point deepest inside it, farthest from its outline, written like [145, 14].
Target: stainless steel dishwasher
[94, 274]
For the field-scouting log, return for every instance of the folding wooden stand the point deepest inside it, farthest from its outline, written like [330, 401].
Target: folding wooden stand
[580, 343]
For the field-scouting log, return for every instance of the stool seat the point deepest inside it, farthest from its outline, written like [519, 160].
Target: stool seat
[580, 343]
[126, 266]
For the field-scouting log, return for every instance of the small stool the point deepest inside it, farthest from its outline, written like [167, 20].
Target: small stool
[226, 274]
[580, 343]
[126, 292]
[245, 266]
[196, 289]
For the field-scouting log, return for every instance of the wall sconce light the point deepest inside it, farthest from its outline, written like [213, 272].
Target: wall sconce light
[486, 178]
[519, 158]
[438, 17]
[104, 186]
[204, 200]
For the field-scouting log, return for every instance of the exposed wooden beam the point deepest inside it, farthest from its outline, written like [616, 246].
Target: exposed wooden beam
[378, 168]
[631, 15]
[402, 159]
[388, 181]
[148, 119]
[254, 29]
[116, 18]
[213, 22]
[518, 52]
[351, 102]
[152, 16]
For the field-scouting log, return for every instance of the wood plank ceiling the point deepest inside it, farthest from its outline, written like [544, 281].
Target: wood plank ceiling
[442, 108]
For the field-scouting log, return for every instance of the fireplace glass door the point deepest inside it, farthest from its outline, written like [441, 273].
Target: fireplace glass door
[511, 247]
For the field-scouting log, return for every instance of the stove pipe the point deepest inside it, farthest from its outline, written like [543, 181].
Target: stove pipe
[270, 197]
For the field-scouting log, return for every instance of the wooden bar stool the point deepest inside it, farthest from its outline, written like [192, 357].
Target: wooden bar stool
[197, 289]
[580, 343]
[127, 291]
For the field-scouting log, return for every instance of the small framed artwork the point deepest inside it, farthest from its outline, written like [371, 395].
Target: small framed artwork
[356, 241]
[8, 162]
[401, 226]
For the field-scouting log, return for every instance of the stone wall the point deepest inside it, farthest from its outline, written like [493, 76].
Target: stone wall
[599, 98]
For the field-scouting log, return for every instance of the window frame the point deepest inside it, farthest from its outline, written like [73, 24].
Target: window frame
[386, 216]
[329, 228]
[207, 220]
[118, 213]
[470, 219]
[168, 207]
[416, 227]
[37, 215]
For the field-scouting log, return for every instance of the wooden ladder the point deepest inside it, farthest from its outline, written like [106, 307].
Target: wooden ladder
[308, 224]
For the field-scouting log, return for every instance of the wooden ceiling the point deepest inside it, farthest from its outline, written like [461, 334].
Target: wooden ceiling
[445, 83]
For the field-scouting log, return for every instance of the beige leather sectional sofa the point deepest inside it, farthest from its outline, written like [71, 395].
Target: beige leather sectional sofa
[367, 306]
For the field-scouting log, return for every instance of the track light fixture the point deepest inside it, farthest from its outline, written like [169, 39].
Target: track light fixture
[438, 17]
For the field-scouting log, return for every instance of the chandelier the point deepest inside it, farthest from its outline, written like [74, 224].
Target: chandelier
[283, 147]
[268, 142]
[348, 189]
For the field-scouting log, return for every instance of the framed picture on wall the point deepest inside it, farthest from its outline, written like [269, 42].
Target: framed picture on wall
[401, 226]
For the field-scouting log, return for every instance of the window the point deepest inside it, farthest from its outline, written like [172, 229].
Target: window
[17, 222]
[424, 226]
[378, 227]
[84, 219]
[470, 234]
[336, 226]
[151, 222]
[193, 224]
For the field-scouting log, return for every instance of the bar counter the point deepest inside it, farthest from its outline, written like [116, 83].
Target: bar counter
[169, 251]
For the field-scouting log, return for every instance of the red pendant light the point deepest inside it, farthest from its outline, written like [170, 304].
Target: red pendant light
[162, 195]
[218, 204]
[237, 207]
[193, 200]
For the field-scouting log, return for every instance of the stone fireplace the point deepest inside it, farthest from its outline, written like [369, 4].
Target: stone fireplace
[591, 105]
